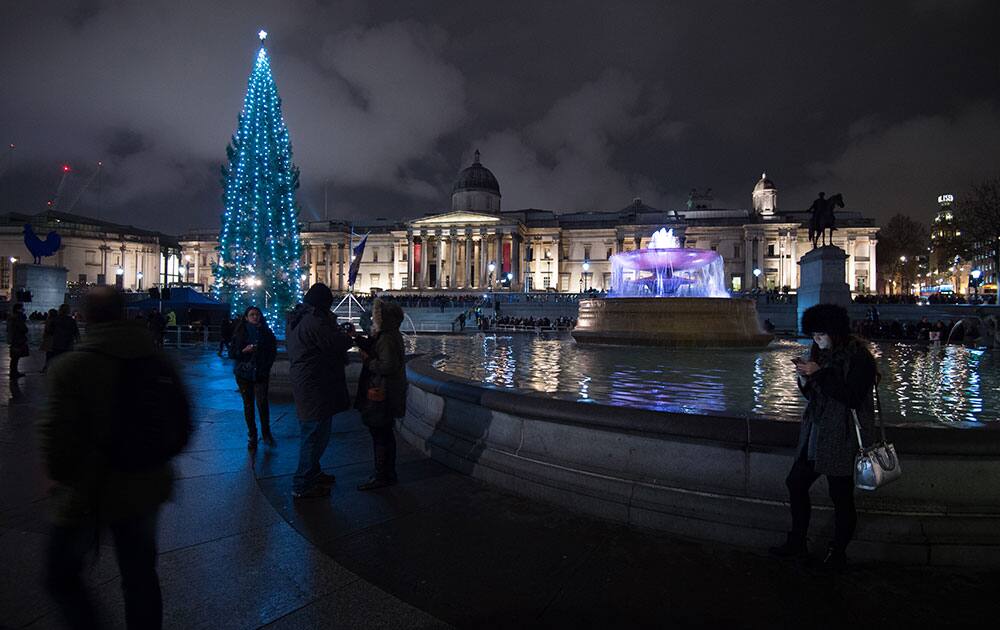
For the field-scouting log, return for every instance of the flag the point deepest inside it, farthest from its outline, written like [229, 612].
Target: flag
[352, 273]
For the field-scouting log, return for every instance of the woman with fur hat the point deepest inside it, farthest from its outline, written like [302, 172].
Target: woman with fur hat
[839, 375]
[382, 389]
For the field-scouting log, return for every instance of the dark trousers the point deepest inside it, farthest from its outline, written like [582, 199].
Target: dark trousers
[13, 365]
[314, 437]
[384, 442]
[841, 489]
[251, 391]
[135, 549]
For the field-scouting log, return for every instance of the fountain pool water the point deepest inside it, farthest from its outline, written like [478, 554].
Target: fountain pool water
[945, 386]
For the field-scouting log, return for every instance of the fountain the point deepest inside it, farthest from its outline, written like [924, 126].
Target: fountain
[667, 295]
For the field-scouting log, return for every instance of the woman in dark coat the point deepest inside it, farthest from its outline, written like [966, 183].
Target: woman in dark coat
[839, 376]
[254, 348]
[382, 389]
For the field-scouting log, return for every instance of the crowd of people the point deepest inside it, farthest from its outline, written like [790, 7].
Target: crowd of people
[535, 324]
[934, 298]
[118, 412]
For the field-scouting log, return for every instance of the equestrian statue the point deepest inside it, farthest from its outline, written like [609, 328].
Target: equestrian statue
[823, 218]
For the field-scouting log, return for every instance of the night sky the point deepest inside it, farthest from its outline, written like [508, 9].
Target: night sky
[574, 105]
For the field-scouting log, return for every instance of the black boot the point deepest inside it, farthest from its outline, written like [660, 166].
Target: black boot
[794, 547]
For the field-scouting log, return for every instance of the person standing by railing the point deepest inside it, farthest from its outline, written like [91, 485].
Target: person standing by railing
[254, 348]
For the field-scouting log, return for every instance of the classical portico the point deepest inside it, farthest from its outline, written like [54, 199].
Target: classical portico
[454, 250]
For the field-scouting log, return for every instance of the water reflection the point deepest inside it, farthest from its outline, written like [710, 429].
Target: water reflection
[950, 384]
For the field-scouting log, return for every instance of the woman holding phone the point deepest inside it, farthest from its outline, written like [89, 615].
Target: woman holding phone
[838, 376]
[254, 348]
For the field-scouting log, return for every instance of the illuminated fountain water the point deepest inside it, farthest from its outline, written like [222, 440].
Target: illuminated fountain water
[668, 295]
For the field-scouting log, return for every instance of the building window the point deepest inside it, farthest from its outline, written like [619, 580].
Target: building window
[736, 251]
[546, 281]
[736, 282]
[375, 278]
[563, 250]
[547, 254]
[586, 252]
[770, 250]
[564, 282]
[82, 278]
[715, 247]
[374, 254]
[6, 268]
[610, 251]
[91, 257]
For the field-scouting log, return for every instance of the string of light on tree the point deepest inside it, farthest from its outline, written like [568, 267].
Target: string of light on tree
[259, 247]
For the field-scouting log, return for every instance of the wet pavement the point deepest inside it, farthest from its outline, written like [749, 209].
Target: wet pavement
[439, 548]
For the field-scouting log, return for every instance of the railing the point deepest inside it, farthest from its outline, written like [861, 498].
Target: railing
[530, 329]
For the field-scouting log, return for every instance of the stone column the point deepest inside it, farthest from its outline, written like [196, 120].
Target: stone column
[439, 243]
[468, 265]
[453, 258]
[556, 253]
[851, 269]
[794, 282]
[340, 266]
[484, 253]
[197, 266]
[515, 261]
[424, 255]
[307, 254]
[747, 263]
[328, 258]
[872, 278]
[409, 259]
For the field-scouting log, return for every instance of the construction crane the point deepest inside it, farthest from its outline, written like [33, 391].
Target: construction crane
[66, 172]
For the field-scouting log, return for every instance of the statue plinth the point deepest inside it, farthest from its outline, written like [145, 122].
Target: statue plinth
[46, 284]
[822, 274]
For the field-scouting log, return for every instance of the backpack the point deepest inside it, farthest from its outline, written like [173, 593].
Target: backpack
[151, 418]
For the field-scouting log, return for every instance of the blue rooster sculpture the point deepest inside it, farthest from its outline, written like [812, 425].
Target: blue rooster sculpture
[39, 248]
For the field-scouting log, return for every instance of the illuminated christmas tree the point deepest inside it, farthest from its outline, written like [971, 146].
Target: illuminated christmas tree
[259, 247]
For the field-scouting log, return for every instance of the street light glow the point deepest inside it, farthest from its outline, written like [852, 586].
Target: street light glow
[757, 272]
[492, 267]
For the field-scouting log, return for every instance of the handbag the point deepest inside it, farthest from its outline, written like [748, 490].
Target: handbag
[246, 370]
[876, 465]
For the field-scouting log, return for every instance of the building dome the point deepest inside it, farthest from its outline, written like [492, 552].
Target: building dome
[765, 196]
[764, 184]
[476, 190]
[476, 177]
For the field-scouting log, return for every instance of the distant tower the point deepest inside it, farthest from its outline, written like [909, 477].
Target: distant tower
[765, 197]
[476, 190]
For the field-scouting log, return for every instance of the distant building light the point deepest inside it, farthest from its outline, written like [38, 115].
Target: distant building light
[942, 199]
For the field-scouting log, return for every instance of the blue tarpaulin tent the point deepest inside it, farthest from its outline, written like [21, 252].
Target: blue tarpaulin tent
[188, 304]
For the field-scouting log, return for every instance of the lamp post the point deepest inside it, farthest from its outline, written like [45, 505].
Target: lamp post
[756, 276]
[491, 267]
[586, 275]
[977, 275]
[510, 278]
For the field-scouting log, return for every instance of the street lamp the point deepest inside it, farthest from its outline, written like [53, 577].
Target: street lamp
[756, 276]
[586, 274]
[976, 275]
[491, 267]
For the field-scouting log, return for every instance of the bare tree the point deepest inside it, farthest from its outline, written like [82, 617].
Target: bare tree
[978, 218]
[901, 244]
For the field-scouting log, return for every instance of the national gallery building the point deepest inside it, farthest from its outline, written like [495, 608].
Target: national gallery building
[479, 246]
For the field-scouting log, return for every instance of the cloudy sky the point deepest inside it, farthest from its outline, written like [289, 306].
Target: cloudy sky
[574, 105]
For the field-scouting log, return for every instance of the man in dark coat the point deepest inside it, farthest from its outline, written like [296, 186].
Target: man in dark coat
[317, 354]
[17, 338]
[65, 332]
[91, 493]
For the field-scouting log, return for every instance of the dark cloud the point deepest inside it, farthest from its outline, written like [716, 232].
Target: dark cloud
[579, 105]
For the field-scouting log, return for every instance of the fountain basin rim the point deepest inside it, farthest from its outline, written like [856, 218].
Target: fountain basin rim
[758, 432]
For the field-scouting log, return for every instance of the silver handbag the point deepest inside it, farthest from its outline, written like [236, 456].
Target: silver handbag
[876, 465]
